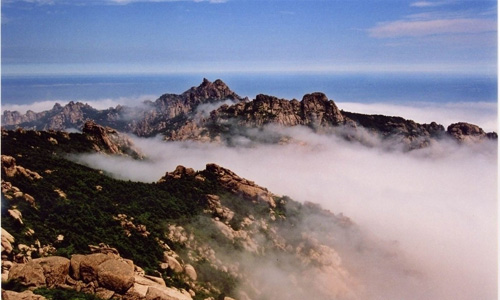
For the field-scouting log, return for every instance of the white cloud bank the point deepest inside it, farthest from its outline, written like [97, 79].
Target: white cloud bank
[440, 208]
[408, 28]
[483, 114]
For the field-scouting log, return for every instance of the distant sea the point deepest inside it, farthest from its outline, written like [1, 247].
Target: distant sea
[368, 88]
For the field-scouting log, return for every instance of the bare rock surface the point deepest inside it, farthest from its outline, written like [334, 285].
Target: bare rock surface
[466, 132]
[29, 274]
[11, 169]
[89, 265]
[55, 269]
[109, 140]
[115, 275]
[164, 293]
[26, 295]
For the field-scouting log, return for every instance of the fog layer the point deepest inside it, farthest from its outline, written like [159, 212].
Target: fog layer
[438, 205]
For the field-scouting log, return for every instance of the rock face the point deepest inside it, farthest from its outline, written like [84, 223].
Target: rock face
[237, 185]
[465, 132]
[314, 110]
[228, 179]
[109, 140]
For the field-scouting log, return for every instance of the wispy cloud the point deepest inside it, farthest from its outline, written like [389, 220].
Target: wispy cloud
[404, 28]
[427, 4]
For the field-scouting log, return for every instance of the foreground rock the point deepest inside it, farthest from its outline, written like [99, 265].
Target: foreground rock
[26, 295]
[106, 275]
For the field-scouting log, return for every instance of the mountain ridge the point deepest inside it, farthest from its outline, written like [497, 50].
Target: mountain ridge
[176, 117]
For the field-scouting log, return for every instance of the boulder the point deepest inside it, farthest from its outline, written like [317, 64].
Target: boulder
[173, 264]
[55, 269]
[16, 214]
[142, 284]
[29, 274]
[115, 275]
[75, 262]
[165, 293]
[26, 295]
[7, 240]
[190, 272]
[89, 265]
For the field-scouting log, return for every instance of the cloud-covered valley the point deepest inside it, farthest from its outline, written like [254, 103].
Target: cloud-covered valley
[438, 206]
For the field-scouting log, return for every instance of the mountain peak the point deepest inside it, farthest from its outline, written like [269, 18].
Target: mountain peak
[208, 90]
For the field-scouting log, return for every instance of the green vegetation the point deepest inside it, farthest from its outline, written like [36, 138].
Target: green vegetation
[62, 294]
[85, 215]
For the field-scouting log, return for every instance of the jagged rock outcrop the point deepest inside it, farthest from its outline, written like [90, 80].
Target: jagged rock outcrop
[228, 179]
[171, 111]
[109, 140]
[11, 169]
[237, 185]
[466, 132]
[314, 110]
[59, 117]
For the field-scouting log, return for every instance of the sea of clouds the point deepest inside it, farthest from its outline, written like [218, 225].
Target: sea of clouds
[438, 205]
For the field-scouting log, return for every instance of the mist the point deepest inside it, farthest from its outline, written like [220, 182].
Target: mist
[106, 103]
[438, 204]
[483, 114]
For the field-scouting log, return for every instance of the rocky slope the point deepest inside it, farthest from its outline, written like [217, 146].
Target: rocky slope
[182, 117]
[207, 234]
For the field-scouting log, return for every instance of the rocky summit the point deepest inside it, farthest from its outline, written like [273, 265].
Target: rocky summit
[213, 112]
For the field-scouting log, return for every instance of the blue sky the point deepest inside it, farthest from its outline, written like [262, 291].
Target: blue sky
[146, 36]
